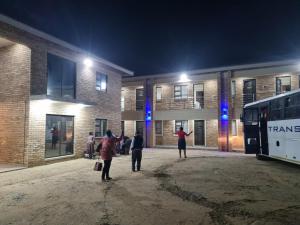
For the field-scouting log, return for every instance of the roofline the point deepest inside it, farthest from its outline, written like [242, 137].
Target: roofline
[226, 68]
[272, 98]
[24, 27]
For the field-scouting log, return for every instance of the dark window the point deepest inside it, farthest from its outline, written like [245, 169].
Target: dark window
[59, 135]
[181, 123]
[283, 84]
[101, 82]
[122, 126]
[251, 117]
[180, 92]
[292, 106]
[61, 77]
[139, 98]
[233, 88]
[100, 127]
[249, 91]
[139, 126]
[158, 127]
[276, 109]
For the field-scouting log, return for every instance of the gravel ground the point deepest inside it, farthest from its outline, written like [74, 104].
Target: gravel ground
[206, 188]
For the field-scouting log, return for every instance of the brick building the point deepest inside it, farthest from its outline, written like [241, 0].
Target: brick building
[52, 94]
[207, 101]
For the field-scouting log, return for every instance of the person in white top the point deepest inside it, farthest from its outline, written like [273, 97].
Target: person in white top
[90, 145]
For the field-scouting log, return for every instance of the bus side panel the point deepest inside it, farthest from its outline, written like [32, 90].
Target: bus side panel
[284, 139]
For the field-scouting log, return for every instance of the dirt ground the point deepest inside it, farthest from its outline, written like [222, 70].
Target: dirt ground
[206, 188]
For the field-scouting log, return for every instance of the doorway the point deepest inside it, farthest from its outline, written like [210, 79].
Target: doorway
[199, 135]
[139, 126]
[59, 136]
[264, 116]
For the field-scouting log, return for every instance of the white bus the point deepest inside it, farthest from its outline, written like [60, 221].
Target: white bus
[272, 127]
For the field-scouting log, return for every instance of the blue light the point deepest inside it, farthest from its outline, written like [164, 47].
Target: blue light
[148, 116]
[224, 113]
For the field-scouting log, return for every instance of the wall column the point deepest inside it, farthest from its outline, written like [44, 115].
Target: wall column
[224, 121]
[148, 113]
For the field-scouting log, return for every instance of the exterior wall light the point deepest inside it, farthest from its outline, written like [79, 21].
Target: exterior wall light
[88, 62]
[184, 78]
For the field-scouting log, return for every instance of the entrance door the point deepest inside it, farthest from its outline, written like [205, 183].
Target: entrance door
[199, 134]
[59, 135]
[139, 126]
[249, 91]
[264, 115]
[251, 131]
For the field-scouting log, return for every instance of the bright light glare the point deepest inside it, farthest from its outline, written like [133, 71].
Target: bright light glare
[184, 78]
[88, 62]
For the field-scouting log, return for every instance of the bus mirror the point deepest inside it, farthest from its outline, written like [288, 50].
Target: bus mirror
[241, 118]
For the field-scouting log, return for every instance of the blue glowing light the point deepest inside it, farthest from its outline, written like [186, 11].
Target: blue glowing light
[224, 115]
[148, 116]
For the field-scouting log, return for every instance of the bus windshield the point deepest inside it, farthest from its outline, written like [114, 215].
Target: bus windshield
[251, 117]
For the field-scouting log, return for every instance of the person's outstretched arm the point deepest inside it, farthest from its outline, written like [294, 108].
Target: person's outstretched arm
[189, 133]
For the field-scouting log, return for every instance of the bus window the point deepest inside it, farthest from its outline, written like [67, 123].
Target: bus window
[292, 106]
[276, 109]
[251, 117]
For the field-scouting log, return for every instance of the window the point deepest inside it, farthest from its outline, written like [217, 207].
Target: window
[180, 92]
[276, 109]
[139, 99]
[292, 106]
[249, 91]
[122, 101]
[61, 78]
[199, 96]
[233, 88]
[251, 117]
[181, 123]
[139, 126]
[101, 82]
[100, 127]
[283, 84]
[122, 126]
[158, 94]
[159, 127]
[59, 135]
[234, 128]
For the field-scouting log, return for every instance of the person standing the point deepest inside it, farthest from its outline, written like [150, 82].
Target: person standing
[54, 133]
[181, 141]
[108, 144]
[136, 147]
[90, 145]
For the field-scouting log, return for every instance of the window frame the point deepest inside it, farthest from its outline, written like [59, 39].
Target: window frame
[278, 92]
[103, 132]
[234, 124]
[157, 88]
[61, 76]
[101, 74]
[162, 128]
[187, 126]
[233, 88]
[180, 97]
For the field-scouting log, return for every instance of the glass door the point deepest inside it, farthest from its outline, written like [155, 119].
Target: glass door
[59, 136]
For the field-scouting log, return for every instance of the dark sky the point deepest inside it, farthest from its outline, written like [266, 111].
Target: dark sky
[166, 36]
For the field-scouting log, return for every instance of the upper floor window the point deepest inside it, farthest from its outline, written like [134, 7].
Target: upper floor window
[158, 94]
[101, 82]
[233, 88]
[61, 80]
[198, 96]
[180, 92]
[139, 99]
[283, 84]
[100, 127]
[122, 101]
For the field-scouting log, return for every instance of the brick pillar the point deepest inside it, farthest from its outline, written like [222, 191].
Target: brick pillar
[148, 113]
[224, 114]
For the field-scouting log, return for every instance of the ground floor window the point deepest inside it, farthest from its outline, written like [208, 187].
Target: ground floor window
[234, 128]
[181, 123]
[139, 126]
[122, 126]
[59, 135]
[100, 127]
[159, 127]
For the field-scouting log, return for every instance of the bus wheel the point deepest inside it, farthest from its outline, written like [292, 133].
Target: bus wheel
[260, 157]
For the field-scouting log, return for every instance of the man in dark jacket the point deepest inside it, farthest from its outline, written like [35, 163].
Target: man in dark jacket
[136, 147]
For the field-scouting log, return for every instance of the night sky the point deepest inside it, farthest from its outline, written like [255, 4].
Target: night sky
[165, 36]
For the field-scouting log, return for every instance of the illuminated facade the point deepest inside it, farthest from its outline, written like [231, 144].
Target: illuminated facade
[52, 94]
[208, 102]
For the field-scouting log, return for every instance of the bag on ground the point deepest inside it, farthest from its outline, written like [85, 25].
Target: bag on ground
[98, 166]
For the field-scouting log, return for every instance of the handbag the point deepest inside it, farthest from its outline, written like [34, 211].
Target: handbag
[98, 166]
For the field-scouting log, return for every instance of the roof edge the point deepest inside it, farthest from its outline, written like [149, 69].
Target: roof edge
[41, 34]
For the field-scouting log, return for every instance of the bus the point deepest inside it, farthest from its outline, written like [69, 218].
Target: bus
[272, 127]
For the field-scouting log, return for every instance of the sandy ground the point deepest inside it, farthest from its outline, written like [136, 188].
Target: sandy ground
[206, 188]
